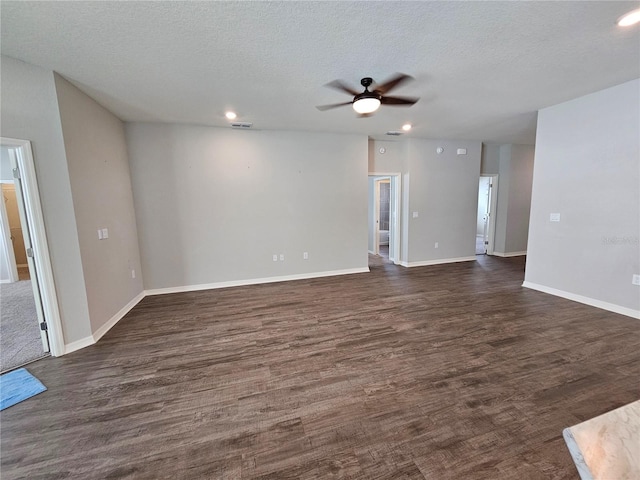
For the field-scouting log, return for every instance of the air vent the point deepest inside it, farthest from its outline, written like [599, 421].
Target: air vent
[394, 133]
[241, 125]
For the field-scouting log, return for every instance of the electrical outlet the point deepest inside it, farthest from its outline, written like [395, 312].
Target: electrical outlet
[275, 257]
[436, 245]
[133, 274]
[282, 257]
[635, 279]
[305, 256]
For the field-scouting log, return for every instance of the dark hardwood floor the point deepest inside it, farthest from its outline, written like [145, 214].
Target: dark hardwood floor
[442, 372]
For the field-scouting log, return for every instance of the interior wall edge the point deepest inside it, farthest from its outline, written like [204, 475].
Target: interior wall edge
[629, 312]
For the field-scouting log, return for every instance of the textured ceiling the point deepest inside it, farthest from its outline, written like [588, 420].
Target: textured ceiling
[482, 69]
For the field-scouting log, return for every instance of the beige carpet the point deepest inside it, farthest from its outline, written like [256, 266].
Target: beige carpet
[19, 334]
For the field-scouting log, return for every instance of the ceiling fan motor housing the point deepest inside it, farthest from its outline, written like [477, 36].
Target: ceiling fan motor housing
[366, 82]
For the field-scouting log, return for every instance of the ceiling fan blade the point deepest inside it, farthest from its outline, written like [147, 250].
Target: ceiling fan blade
[322, 108]
[343, 87]
[393, 82]
[398, 100]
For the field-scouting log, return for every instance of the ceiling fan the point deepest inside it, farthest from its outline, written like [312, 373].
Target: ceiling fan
[367, 102]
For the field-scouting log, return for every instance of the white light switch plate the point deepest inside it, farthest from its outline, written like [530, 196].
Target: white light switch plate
[554, 217]
[105, 233]
[415, 214]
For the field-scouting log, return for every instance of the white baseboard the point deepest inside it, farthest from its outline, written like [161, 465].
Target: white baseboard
[438, 261]
[78, 344]
[611, 307]
[6, 281]
[509, 254]
[97, 335]
[371, 252]
[254, 281]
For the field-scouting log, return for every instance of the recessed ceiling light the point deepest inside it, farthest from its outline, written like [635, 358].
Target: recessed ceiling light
[629, 19]
[230, 115]
[406, 127]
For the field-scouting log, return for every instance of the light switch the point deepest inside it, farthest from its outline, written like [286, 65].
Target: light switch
[462, 151]
[105, 233]
[99, 234]
[554, 217]
[415, 214]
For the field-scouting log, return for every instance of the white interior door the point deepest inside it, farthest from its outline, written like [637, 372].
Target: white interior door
[8, 267]
[376, 218]
[29, 251]
[394, 227]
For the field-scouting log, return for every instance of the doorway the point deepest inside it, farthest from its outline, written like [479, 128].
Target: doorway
[485, 221]
[383, 210]
[384, 216]
[29, 302]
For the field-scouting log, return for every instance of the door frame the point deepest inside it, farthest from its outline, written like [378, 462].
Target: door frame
[493, 203]
[376, 216]
[7, 244]
[38, 236]
[395, 179]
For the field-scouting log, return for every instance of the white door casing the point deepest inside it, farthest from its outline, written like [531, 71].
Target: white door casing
[29, 192]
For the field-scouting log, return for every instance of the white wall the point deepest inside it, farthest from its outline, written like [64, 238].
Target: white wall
[30, 112]
[101, 188]
[213, 205]
[514, 198]
[587, 169]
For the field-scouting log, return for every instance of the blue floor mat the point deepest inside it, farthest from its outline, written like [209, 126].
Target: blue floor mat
[18, 385]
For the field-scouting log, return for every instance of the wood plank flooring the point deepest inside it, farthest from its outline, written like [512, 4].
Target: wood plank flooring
[442, 372]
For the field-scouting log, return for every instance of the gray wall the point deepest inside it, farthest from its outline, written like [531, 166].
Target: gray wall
[444, 192]
[101, 188]
[213, 205]
[6, 173]
[514, 198]
[490, 163]
[442, 188]
[30, 112]
[394, 160]
[587, 168]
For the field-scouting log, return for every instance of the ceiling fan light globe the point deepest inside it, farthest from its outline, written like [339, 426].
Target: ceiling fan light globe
[366, 105]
